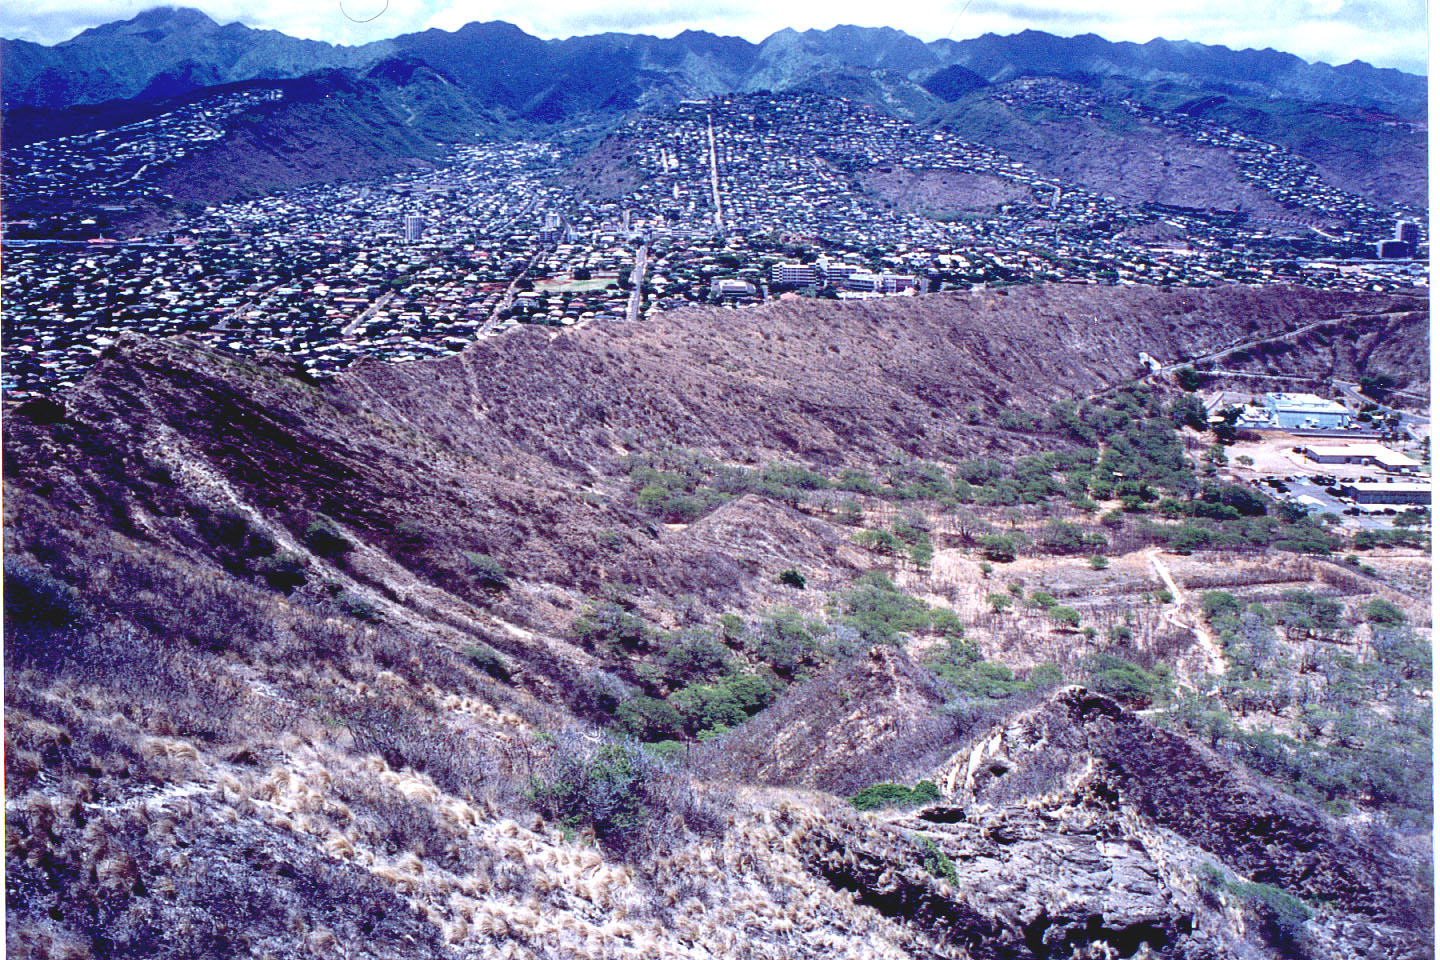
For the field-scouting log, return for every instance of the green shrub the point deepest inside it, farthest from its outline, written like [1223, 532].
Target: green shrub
[282, 571]
[1282, 916]
[1098, 562]
[650, 719]
[959, 663]
[1065, 616]
[1384, 613]
[880, 541]
[486, 570]
[791, 577]
[699, 655]
[880, 612]
[609, 627]
[1057, 536]
[612, 787]
[325, 537]
[1218, 605]
[358, 607]
[1045, 676]
[882, 795]
[1124, 680]
[997, 548]
[944, 622]
[1041, 600]
[34, 599]
[788, 475]
[716, 706]
[857, 481]
[486, 659]
[784, 639]
[935, 862]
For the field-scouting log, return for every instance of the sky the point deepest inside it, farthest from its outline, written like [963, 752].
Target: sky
[1386, 33]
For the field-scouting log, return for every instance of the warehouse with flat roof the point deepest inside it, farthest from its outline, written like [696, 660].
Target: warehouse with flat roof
[1305, 410]
[1365, 454]
[1410, 493]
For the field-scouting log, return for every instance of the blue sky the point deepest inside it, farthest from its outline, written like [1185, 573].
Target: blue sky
[1389, 33]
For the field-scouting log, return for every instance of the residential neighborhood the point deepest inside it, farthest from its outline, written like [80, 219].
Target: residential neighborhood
[731, 200]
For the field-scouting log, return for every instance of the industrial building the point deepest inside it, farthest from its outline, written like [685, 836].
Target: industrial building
[1305, 411]
[1364, 454]
[1409, 493]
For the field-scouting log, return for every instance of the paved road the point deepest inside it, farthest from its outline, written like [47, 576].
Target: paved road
[493, 322]
[1328, 504]
[367, 313]
[1236, 347]
[714, 176]
[1409, 422]
[637, 278]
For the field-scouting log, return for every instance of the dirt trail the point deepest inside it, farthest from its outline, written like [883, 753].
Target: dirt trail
[1214, 656]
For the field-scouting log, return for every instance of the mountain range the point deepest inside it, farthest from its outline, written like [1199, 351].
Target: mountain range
[168, 51]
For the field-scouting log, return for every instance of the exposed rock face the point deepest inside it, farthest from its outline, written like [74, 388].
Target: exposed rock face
[1177, 785]
[1078, 829]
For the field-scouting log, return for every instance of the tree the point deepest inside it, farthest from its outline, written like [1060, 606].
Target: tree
[1382, 612]
[793, 578]
[998, 548]
[1188, 411]
[1061, 537]
[999, 602]
[1189, 379]
[1065, 616]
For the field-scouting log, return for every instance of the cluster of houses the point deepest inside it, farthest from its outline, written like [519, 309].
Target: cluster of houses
[733, 199]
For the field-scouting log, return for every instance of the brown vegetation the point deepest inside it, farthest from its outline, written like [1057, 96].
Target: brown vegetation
[300, 668]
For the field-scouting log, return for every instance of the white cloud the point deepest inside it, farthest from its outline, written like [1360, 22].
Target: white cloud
[1384, 32]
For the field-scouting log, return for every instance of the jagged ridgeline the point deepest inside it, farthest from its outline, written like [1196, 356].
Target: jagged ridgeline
[879, 629]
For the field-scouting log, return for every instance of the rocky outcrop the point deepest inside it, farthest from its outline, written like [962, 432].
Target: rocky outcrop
[1178, 785]
[1078, 829]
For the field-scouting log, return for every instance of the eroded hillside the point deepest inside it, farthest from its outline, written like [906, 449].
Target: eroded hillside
[573, 644]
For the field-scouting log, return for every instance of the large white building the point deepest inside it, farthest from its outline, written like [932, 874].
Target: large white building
[1365, 454]
[1305, 410]
[794, 274]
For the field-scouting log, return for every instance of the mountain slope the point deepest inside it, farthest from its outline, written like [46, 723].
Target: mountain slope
[1034, 53]
[164, 51]
[298, 666]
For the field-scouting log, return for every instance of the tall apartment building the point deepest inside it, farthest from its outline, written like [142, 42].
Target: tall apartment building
[794, 274]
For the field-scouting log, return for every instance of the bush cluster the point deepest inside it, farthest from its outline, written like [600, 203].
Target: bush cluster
[883, 795]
